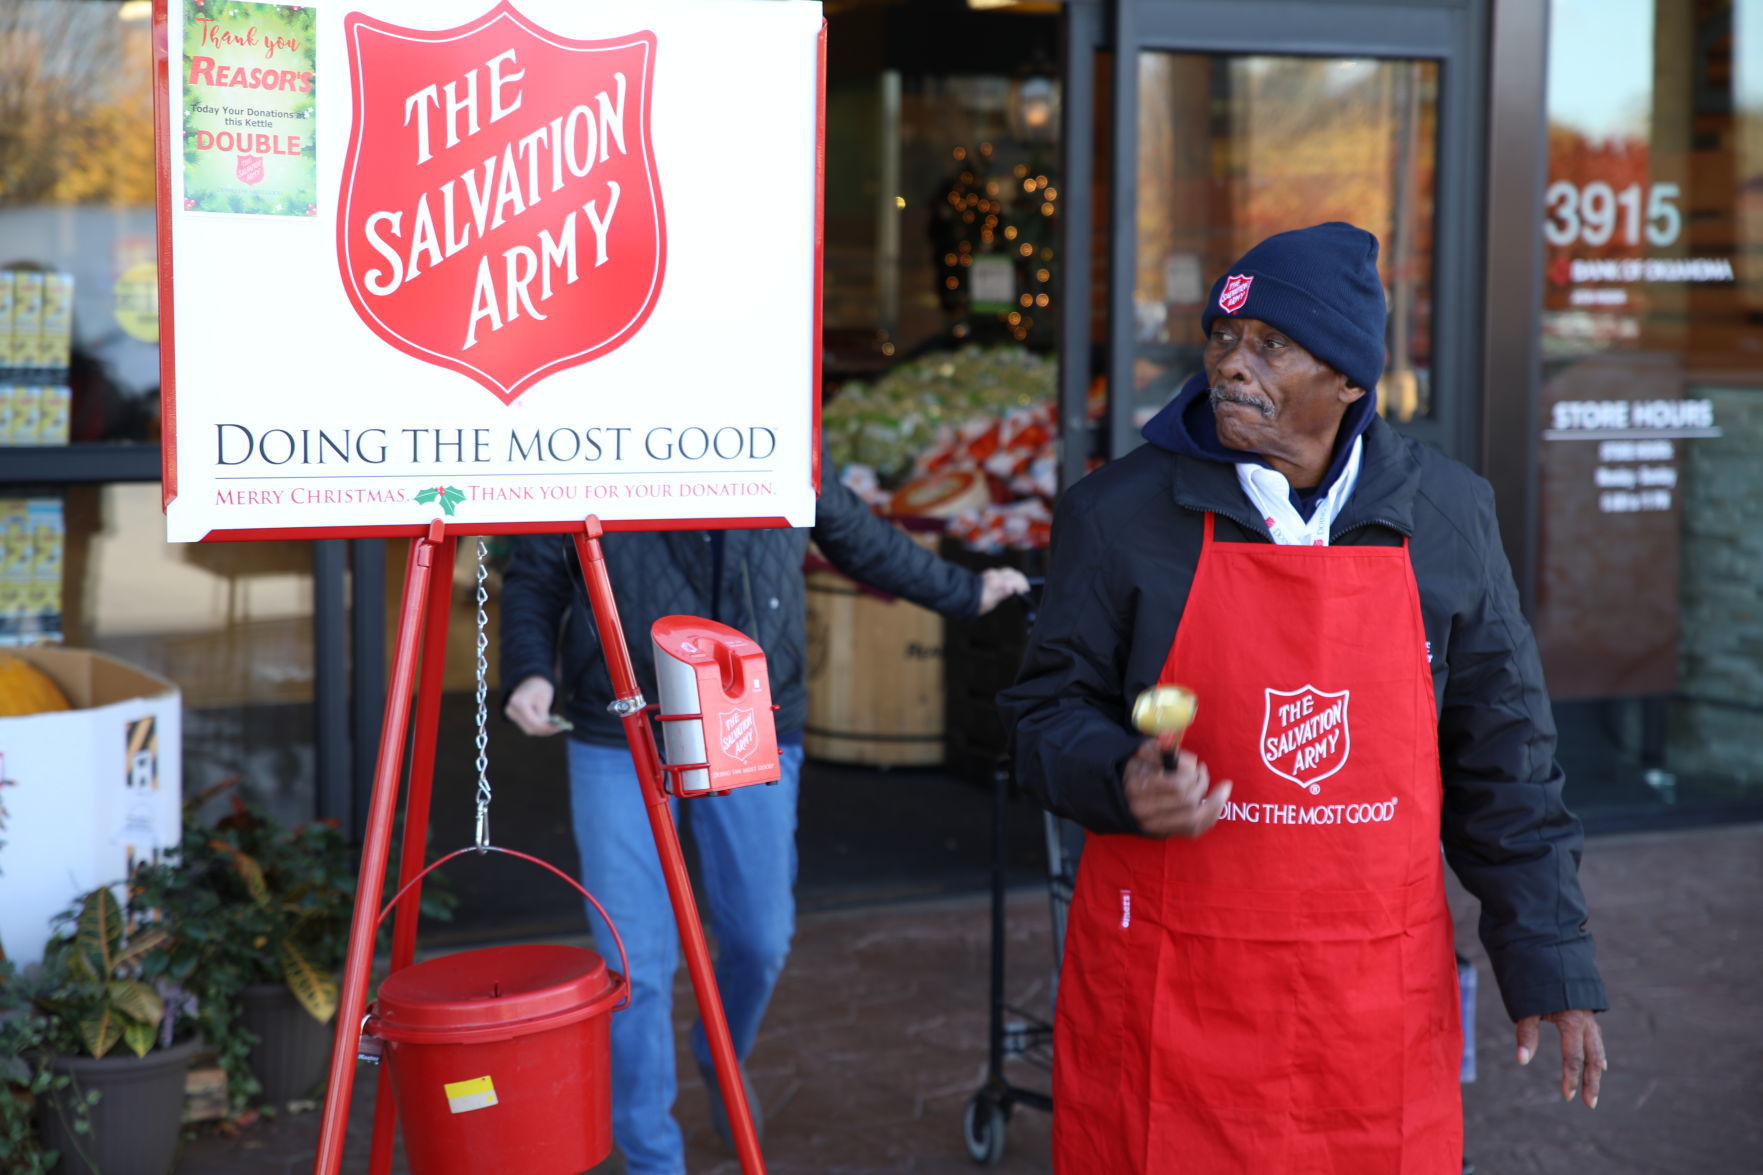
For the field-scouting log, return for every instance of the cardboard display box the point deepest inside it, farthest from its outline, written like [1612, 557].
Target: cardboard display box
[86, 791]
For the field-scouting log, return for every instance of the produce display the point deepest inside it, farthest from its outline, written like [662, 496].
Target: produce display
[890, 423]
[905, 441]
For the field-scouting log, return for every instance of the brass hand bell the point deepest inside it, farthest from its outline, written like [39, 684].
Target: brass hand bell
[1165, 711]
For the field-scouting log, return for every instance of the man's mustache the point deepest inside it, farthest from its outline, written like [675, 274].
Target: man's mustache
[1224, 395]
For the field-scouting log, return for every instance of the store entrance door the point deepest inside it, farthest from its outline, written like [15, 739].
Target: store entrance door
[1232, 120]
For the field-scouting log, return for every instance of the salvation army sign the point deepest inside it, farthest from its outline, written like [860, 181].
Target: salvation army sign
[500, 213]
[506, 264]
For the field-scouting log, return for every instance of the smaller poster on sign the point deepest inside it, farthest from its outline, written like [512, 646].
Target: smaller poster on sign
[249, 83]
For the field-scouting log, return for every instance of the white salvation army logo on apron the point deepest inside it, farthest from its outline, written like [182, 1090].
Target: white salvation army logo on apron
[1304, 735]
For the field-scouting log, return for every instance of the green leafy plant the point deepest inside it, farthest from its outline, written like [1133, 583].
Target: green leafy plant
[92, 984]
[90, 994]
[26, 1080]
[25, 1076]
[249, 900]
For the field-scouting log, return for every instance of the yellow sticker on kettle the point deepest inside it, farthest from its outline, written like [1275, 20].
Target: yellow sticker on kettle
[464, 1096]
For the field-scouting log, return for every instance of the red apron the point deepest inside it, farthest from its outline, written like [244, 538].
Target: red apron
[1278, 996]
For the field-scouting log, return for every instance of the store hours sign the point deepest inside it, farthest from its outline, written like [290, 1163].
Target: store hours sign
[502, 264]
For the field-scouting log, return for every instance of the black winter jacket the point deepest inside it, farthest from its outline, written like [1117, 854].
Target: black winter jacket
[547, 630]
[1126, 540]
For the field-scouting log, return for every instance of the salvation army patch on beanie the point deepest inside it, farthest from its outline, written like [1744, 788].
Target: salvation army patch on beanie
[1320, 286]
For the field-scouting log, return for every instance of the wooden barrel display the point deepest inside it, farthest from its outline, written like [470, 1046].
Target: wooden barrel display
[875, 675]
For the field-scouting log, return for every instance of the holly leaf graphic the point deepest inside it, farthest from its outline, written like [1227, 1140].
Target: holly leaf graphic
[447, 496]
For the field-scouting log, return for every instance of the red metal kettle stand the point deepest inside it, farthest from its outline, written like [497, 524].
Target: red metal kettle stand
[422, 626]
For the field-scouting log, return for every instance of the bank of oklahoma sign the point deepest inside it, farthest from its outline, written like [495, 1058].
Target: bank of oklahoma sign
[562, 274]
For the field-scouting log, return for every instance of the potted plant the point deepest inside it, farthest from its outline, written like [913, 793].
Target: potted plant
[101, 1053]
[25, 1077]
[258, 919]
[258, 916]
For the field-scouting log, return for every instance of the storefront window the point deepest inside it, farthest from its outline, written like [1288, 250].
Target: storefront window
[229, 623]
[1233, 149]
[942, 190]
[88, 565]
[941, 202]
[1650, 544]
[79, 331]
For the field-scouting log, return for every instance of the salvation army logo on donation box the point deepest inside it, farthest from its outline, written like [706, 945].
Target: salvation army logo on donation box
[1304, 735]
[740, 734]
[500, 212]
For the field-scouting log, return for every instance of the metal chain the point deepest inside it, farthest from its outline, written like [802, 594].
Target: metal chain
[483, 711]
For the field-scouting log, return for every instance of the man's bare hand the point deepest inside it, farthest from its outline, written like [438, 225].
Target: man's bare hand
[1582, 1051]
[529, 706]
[1178, 802]
[997, 584]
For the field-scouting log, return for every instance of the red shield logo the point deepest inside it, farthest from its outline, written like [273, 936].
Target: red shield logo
[1304, 735]
[740, 734]
[249, 169]
[1235, 292]
[500, 211]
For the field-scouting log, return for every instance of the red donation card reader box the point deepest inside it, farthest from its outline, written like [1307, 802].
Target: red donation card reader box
[715, 702]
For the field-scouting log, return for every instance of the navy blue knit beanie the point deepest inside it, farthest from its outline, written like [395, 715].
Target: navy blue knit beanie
[1318, 285]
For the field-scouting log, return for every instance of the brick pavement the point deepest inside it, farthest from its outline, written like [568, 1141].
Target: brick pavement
[878, 1037]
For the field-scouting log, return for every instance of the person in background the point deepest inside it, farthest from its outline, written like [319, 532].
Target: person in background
[1259, 973]
[550, 655]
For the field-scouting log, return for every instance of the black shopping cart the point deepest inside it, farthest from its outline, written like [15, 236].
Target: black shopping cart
[1018, 1034]
[981, 657]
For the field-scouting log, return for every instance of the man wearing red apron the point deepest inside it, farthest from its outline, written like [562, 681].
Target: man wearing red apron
[1259, 972]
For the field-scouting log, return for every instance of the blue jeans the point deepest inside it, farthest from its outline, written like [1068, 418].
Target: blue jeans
[747, 856]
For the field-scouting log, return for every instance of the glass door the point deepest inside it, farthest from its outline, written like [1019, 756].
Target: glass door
[1647, 481]
[1233, 121]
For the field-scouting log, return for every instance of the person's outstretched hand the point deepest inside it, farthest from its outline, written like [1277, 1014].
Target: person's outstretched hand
[1171, 802]
[998, 584]
[1582, 1051]
[529, 706]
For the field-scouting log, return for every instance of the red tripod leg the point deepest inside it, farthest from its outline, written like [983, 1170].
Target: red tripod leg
[416, 819]
[375, 850]
[647, 759]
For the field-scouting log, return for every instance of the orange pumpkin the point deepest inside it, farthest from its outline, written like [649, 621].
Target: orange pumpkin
[25, 689]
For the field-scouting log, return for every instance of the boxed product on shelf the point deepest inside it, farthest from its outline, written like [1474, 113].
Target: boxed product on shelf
[57, 323]
[15, 567]
[27, 320]
[26, 414]
[7, 298]
[55, 415]
[42, 584]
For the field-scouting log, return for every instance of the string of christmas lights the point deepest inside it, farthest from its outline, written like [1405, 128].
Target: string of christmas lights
[994, 230]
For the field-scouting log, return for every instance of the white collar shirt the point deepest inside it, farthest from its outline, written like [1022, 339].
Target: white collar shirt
[1271, 495]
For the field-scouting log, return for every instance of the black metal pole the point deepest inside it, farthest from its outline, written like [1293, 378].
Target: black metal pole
[330, 686]
[1081, 31]
[1123, 228]
[1516, 173]
[367, 664]
[995, 1061]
